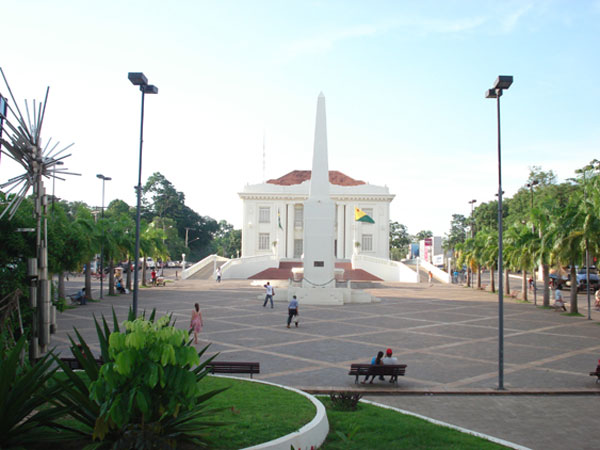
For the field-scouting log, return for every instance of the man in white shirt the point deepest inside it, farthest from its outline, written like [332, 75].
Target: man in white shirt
[270, 294]
[388, 359]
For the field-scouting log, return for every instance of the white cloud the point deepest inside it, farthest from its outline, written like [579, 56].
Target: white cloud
[509, 22]
[326, 41]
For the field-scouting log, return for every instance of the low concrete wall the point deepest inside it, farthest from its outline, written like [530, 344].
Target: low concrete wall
[385, 269]
[210, 259]
[242, 268]
[438, 274]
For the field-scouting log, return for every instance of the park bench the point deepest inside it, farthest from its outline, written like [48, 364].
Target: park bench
[233, 367]
[393, 370]
[73, 363]
[596, 373]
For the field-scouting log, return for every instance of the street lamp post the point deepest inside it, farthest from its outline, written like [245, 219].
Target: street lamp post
[469, 271]
[530, 186]
[502, 82]
[139, 79]
[104, 179]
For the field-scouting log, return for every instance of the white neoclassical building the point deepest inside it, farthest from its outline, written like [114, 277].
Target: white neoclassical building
[273, 216]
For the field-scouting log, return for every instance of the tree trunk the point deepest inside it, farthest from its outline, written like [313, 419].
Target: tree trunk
[524, 285]
[61, 285]
[574, 309]
[492, 277]
[469, 271]
[506, 282]
[128, 275]
[546, 276]
[111, 277]
[88, 280]
[478, 277]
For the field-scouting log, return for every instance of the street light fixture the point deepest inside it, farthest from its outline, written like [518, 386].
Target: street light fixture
[139, 79]
[502, 82]
[104, 179]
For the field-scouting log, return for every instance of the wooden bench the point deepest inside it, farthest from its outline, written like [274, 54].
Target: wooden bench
[73, 363]
[393, 371]
[596, 373]
[233, 367]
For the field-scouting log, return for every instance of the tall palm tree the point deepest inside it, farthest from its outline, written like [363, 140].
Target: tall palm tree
[569, 243]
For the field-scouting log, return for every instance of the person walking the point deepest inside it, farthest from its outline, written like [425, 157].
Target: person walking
[558, 300]
[218, 274]
[293, 311]
[270, 294]
[430, 275]
[196, 323]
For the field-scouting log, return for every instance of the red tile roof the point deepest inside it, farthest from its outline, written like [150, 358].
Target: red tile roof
[299, 176]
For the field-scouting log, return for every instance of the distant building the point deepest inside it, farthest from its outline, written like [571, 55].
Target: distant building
[273, 219]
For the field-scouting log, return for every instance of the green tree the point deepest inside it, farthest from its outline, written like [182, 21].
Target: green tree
[399, 241]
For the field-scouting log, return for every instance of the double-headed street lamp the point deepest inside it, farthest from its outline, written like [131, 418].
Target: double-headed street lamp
[139, 79]
[104, 179]
[502, 82]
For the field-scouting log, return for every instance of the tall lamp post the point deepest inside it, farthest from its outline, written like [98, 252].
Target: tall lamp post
[469, 271]
[104, 179]
[139, 79]
[502, 82]
[530, 186]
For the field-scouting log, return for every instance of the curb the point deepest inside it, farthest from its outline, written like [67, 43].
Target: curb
[472, 392]
[311, 435]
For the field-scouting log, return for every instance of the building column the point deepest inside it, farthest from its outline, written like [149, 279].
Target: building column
[290, 229]
[340, 231]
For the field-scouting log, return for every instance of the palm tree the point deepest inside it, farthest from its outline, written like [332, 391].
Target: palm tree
[569, 242]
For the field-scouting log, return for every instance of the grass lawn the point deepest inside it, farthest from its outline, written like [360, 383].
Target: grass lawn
[371, 427]
[259, 413]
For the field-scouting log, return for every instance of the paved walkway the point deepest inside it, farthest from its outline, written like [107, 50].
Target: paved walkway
[447, 335]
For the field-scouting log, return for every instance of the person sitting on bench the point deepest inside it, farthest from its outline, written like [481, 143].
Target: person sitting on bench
[377, 360]
[80, 297]
[120, 288]
[390, 360]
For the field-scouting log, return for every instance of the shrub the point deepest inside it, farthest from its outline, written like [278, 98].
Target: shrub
[146, 393]
[345, 401]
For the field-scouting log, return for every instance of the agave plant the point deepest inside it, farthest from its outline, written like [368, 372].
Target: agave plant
[24, 390]
[123, 403]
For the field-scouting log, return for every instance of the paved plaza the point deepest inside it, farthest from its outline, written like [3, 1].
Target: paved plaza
[447, 336]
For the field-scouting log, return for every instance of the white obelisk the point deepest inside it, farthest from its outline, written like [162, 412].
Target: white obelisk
[319, 213]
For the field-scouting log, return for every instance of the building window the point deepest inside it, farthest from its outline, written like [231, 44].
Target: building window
[263, 241]
[298, 248]
[298, 216]
[367, 242]
[264, 214]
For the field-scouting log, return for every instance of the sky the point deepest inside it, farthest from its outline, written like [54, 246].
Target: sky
[404, 83]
